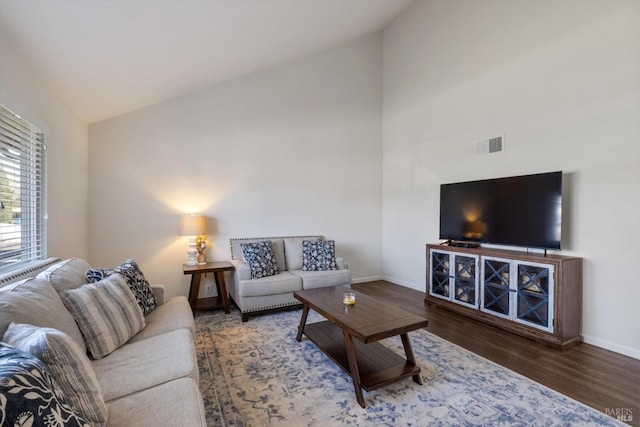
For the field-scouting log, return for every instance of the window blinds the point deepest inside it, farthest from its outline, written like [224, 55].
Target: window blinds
[22, 192]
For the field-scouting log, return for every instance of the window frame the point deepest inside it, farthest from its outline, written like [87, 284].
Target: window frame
[23, 184]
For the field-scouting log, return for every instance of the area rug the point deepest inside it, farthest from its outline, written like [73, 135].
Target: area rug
[256, 374]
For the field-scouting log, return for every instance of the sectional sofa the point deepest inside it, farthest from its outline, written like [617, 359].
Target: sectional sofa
[150, 380]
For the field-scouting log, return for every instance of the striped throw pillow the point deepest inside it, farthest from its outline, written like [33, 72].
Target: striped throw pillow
[68, 365]
[106, 313]
[135, 279]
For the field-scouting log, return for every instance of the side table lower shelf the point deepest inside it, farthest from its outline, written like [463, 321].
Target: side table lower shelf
[378, 366]
[210, 303]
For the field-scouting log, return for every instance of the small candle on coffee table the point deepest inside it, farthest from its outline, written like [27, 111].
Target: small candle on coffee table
[349, 298]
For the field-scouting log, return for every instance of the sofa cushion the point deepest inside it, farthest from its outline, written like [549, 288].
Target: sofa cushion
[322, 279]
[279, 284]
[36, 302]
[139, 365]
[160, 403]
[135, 279]
[318, 256]
[68, 274]
[172, 315]
[259, 256]
[277, 246]
[293, 251]
[106, 312]
[68, 365]
[28, 395]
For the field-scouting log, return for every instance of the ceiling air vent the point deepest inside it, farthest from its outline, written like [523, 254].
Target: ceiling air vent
[491, 145]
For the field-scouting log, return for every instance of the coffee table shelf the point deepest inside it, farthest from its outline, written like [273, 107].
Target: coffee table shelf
[377, 365]
[350, 336]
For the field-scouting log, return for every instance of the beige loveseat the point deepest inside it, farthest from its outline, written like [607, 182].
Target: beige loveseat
[275, 292]
[152, 380]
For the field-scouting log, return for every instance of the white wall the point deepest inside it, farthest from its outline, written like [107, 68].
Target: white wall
[292, 150]
[561, 81]
[25, 93]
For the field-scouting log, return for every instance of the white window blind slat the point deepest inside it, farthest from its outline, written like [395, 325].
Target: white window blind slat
[22, 192]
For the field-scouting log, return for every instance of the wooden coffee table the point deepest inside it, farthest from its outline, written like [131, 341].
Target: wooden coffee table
[370, 364]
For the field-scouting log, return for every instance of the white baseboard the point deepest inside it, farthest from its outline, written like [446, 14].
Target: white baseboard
[608, 345]
[366, 279]
[402, 283]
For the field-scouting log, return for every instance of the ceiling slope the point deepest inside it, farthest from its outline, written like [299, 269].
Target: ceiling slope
[106, 58]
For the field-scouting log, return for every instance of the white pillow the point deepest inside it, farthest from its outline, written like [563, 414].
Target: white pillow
[106, 312]
[68, 365]
[67, 274]
[35, 302]
[293, 251]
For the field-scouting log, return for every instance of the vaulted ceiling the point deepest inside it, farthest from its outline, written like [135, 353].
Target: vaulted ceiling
[106, 58]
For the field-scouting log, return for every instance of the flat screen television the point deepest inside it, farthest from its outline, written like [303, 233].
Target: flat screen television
[514, 211]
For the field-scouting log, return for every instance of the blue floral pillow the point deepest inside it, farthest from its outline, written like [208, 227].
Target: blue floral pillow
[27, 393]
[135, 279]
[259, 256]
[319, 256]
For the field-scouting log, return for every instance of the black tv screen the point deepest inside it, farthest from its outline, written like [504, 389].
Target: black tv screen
[516, 211]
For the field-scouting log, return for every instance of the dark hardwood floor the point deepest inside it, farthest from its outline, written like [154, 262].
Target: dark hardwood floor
[602, 379]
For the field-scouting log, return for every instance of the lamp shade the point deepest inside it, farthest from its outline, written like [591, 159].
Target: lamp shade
[192, 225]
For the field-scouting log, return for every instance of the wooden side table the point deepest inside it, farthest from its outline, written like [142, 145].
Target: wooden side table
[217, 268]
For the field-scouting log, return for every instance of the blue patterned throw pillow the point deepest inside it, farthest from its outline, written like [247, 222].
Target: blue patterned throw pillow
[259, 256]
[135, 279]
[27, 393]
[319, 256]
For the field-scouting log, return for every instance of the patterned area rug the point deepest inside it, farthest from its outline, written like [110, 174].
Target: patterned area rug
[257, 374]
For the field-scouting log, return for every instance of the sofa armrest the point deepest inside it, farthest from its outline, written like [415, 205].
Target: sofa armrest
[341, 264]
[158, 292]
[242, 270]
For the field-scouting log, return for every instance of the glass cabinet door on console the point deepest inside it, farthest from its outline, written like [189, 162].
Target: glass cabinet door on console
[518, 290]
[465, 280]
[440, 272]
[454, 277]
[497, 297]
[535, 295]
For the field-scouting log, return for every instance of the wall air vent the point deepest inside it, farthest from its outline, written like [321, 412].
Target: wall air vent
[491, 145]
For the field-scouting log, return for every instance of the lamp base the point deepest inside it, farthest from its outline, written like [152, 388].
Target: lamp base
[192, 252]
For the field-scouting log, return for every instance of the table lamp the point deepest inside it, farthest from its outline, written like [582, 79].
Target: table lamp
[194, 226]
